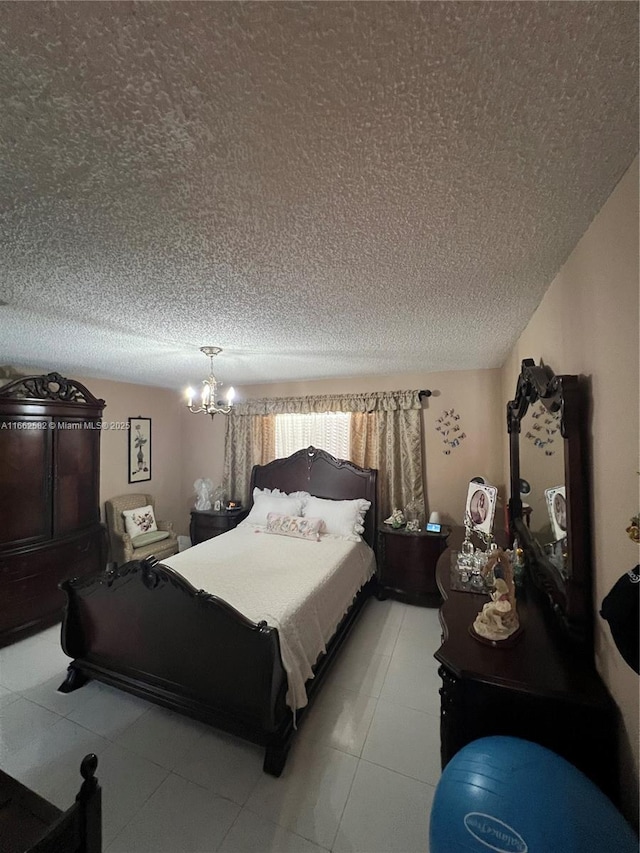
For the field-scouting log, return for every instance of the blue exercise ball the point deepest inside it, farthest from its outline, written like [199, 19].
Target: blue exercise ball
[509, 795]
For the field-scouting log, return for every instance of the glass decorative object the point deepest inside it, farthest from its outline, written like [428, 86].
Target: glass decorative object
[478, 569]
[414, 515]
[203, 488]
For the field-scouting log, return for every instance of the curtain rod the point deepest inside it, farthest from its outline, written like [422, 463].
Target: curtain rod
[422, 394]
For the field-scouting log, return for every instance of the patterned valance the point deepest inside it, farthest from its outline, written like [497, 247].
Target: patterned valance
[373, 401]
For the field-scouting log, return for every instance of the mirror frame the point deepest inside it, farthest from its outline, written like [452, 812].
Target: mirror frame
[570, 597]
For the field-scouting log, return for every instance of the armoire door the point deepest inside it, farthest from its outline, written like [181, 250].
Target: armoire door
[25, 470]
[76, 475]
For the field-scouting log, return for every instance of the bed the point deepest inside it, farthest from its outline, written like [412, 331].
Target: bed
[146, 629]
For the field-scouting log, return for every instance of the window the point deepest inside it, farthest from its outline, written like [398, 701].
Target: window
[328, 431]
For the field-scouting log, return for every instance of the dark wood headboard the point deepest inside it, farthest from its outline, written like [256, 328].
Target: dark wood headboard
[321, 474]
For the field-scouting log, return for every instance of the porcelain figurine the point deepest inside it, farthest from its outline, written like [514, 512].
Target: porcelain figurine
[498, 619]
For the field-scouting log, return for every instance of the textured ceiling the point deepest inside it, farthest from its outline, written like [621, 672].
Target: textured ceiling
[322, 189]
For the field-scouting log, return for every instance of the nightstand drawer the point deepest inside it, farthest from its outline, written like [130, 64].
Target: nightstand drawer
[205, 524]
[407, 564]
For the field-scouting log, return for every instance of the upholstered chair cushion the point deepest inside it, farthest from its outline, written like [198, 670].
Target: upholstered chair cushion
[149, 538]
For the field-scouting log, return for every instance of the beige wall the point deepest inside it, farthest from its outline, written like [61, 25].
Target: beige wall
[587, 324]
[202, 454]
[474, 394]
[125, 400]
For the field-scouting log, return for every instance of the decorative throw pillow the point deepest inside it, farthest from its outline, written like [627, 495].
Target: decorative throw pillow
[141, 520]
[294, 525]
[263, 504]
[342, 518]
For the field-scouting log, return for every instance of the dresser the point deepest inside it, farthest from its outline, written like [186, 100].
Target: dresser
[543, 685]
[540, 688]
[49, 497]
[407, 564]
[207, 523]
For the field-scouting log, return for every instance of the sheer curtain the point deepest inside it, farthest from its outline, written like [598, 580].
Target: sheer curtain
[386, 433]
[328, 431]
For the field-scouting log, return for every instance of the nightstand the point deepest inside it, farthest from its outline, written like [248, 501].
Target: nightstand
[207, 523]
[407, 564]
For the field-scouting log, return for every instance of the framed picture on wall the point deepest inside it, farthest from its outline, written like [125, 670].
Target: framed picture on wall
[139, 449]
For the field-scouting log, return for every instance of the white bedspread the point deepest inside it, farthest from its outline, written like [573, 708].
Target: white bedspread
[301, 588]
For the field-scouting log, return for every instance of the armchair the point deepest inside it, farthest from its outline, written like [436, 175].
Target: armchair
[121, 545]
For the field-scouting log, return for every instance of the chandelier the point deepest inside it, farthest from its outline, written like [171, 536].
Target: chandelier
[208, 403]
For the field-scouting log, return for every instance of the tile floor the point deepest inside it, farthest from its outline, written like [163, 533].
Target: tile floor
[360, 777]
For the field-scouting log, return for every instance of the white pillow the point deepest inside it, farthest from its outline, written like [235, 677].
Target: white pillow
[263, 504]
[276, 493]
[342, 518]
[138, 521]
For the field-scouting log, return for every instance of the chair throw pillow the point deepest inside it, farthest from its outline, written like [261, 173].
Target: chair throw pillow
[140, 520]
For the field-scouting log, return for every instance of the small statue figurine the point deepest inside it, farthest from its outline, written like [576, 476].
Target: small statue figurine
[498, 619]
[203, 489]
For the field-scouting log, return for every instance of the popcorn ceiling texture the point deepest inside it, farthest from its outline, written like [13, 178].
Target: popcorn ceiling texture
[322, 189]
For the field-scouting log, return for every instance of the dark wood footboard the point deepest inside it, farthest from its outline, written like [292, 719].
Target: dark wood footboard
[30, 824]
[145, 629]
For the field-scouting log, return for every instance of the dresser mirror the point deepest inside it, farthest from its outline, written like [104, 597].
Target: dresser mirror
[541, 447]
[549, 505]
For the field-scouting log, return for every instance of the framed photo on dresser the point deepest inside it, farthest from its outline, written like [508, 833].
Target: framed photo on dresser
[481, 506]
[557, 507]
[139, 457]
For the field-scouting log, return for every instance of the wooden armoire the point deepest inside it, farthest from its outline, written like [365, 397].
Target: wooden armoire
[49, 497]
